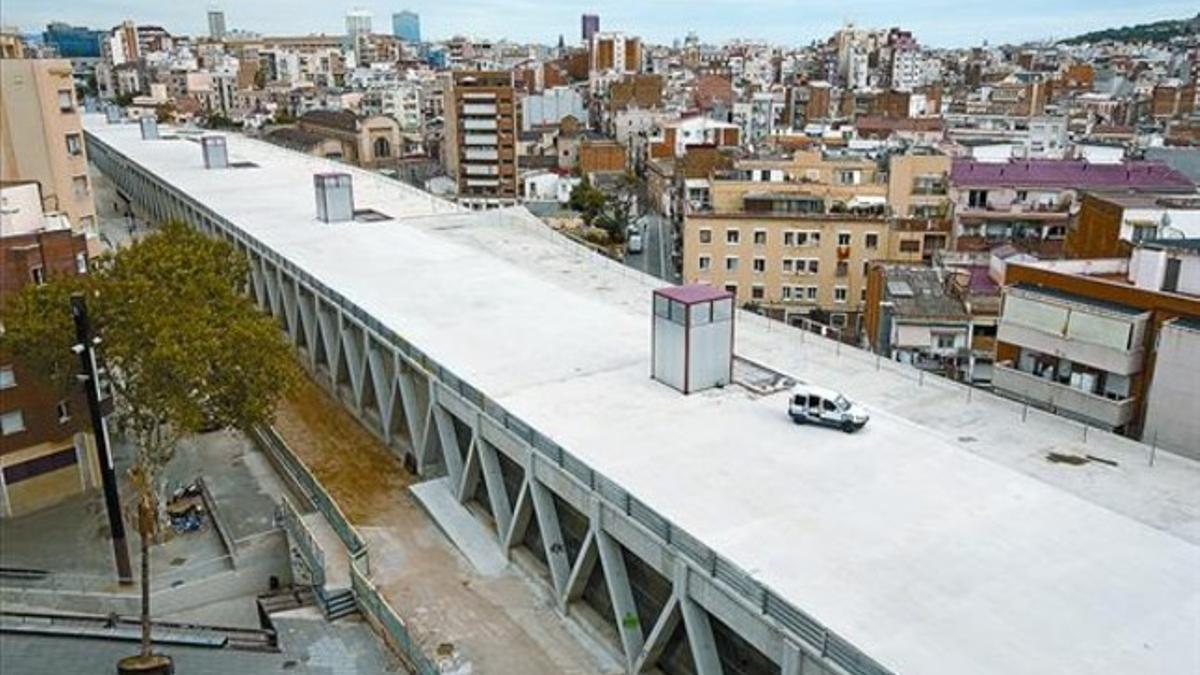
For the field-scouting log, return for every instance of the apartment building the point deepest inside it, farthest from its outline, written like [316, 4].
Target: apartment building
[46, 451]
[1029, 203]
[1092, 339]
[796, 237]
[41, 137]
[481, 135]
[1110, 224]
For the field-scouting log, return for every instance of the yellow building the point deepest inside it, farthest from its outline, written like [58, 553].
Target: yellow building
[41, 136]
[795, 237]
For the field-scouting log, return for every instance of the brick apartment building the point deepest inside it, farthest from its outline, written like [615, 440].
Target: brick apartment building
[481, 137]
[46, 450]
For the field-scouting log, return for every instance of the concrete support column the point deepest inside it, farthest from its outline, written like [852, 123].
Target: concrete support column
[547, 519]
[656, 641]
[493, 479]
[470, 472]
[619, 591]
[380, 380]
[451, 454]
[521, 514]
[698, 627]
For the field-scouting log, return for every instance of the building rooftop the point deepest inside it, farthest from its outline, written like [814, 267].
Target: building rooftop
[333, 119]
[1070, 174]
[920, 293]
[938, 540]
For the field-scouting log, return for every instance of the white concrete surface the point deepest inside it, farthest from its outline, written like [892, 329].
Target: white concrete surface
[937, 540]
[467, 533]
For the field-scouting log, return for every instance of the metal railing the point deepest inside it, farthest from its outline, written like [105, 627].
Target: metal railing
[304, 540]
[388, 620]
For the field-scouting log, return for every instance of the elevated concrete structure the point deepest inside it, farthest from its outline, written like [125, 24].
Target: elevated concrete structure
[937, 540]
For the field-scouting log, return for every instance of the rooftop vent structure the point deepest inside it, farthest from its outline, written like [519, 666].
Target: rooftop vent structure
[692, 338]
[112, 114]
[149, 128]
[216, 156]
[335, 197]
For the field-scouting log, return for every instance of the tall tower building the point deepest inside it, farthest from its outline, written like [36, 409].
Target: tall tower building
[406, 25]
[590, 25]
[481, 134]
[216, 24]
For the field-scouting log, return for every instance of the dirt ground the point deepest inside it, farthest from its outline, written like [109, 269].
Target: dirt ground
[364, 478]
[499, 624]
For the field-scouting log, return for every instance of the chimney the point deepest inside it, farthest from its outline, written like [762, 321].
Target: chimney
[215, 154]
[692, 337]
[149, 128]
[335, 197]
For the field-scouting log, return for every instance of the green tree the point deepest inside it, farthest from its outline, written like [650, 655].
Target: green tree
[183, 347]
[588, 200]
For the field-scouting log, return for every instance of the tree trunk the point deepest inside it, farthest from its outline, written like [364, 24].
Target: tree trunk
[145, 537]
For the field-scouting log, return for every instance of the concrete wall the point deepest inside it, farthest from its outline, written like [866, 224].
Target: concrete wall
[1173, 390]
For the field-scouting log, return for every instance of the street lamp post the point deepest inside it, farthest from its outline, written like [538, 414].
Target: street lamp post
[86, 348]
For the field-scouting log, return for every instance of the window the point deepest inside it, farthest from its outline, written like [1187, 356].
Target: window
[705, 263]
[862, 295]
[74, 145]
[1022, 195]
[731, 288]
[80, 185]
[945, 340]
[842, 269]
[64, 411]
[843, 238]
[732, 236]
[66, 102]
[910, 246]
[789, 238]
[866, 267]
[837, 320]
[760, 264]
[871, 240]
[977, 199]
[814, 238]
[839, 294]
[12, 422]
[812, 292]
[847, 177]
[813, 265]
[81, 263]
[706, 236]
[760, 237]
[786, 292]
[788, 266]
[756, 292]
[37, 275]
[8, 379]
[731, 263]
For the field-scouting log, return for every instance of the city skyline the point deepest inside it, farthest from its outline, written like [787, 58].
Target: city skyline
[936, 23]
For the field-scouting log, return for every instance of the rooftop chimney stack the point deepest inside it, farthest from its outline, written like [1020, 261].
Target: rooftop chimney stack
[216, 156]
[149, 128]
[692, 338]
[335, 197]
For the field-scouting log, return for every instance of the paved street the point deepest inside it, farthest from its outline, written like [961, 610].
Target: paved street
[655, 258]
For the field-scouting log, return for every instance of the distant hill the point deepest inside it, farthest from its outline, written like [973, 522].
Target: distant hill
[1159, 31]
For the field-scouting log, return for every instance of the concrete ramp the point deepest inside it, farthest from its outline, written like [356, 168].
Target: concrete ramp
[469, 535]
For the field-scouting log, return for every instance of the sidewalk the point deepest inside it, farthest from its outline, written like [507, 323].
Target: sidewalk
[500, 624]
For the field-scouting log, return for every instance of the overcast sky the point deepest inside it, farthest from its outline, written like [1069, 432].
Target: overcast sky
[939, 23]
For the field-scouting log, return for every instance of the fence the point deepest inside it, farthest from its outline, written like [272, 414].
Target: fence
[270, 441]
[302, 537]
[387, 620]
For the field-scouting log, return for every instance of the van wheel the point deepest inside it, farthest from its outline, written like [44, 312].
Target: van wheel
[848, 427]
[798, 419]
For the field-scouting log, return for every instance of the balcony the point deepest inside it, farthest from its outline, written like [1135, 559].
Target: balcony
[481, 154]
[479, 109]
[1107, 338]
[480, 139]
[1061, 398]
[929, 187]
[481, 169]
[479, 125]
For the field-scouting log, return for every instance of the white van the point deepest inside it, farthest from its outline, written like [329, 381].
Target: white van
[817, 405]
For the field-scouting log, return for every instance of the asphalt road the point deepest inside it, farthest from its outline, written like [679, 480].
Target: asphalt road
[655, 258]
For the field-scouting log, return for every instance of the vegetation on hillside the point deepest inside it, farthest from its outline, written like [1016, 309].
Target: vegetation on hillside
[1156, 32]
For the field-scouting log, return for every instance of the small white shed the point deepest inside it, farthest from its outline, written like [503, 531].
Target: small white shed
[692, 337]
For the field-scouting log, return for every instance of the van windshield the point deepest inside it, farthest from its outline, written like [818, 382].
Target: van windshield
[841, 402]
